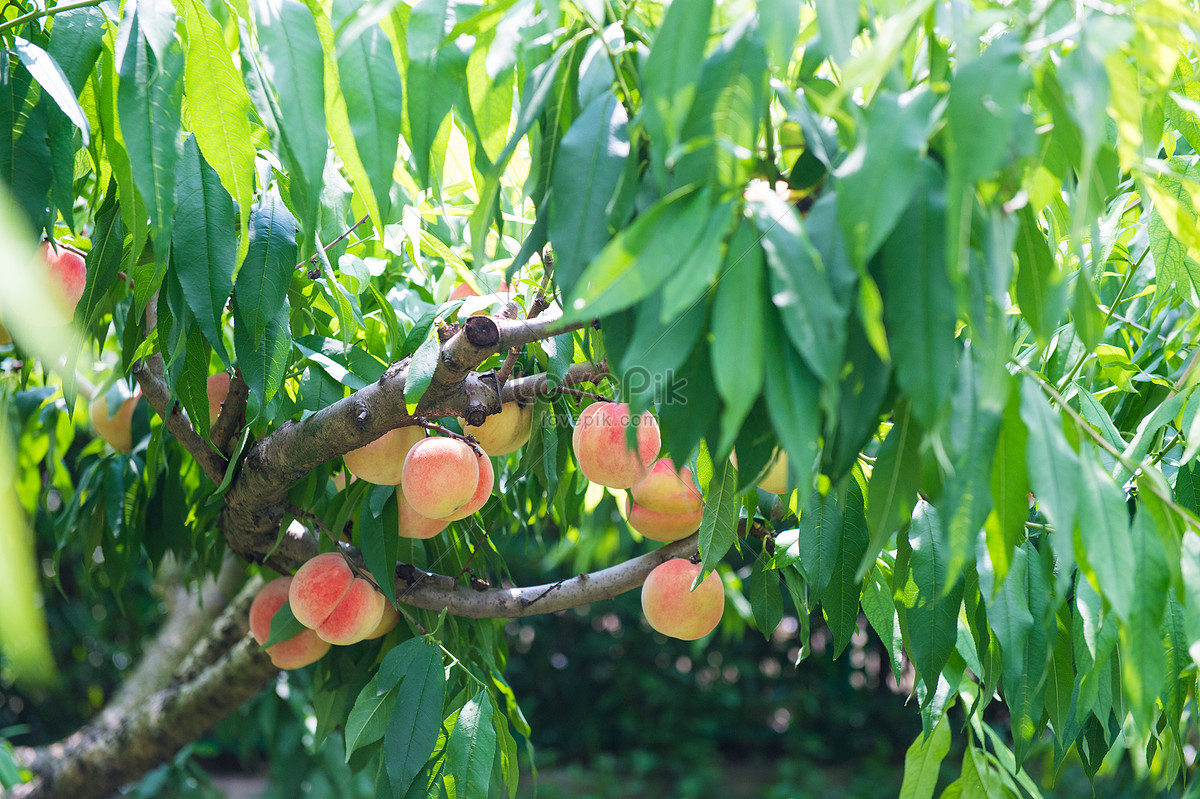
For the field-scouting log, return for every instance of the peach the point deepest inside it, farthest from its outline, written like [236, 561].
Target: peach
[505, 432]
[601, 448]
[775, 479]
[463, 290]
[115, 427]
[483, 490]
[382, 461]
[413, 524]
[387, 623]
[218, 390]
[328, 598]
[294, 653]
[69, 273]
[663, 526]
[440, 476]
[674, 609]
[667, 490]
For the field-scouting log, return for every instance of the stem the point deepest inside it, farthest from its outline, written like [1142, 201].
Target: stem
[331, 244]
[16, 22]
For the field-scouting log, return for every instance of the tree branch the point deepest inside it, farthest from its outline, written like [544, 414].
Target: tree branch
[149, 376]
[233, 414]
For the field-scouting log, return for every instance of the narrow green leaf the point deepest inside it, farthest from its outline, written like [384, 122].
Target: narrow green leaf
[203, 242]
[220, 108]
[588, 168]
[104, 259]
[374, 97]
[737, 348]
[46, 71]
[75, 43]
[471, 748]
[262, 282]
[1106, 551]
[800, 287]
[694, 276]
[928, 610]
[840, 598]
[369, 717]
[641, 257]
[792, 404]
[284, 626]
[919, 303]
[878, 178]
[820, 540]
[149, 99]
[1143, 656]
[1053, 472]
[420, 372]
[718, 525]
[766, 601]
[671, 72]
[262, 360]
[892, 492]
[379, 542]
[923, 761]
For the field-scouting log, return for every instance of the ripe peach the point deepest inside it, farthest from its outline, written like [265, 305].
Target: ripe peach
[464, 290]
[775, 479]
[663, 526]
[667, 490]
[673, 609]
[382, 461]
[328, 598]
[388, 622]
[413, 524]
[69, 273]
[505, 432]
[483, 490]
[601, 449]
[218, 390]
[114, 427]
[294, 653]
[440, 476]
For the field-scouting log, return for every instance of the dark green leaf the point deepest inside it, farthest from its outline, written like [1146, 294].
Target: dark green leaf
[379, 542]
[104, 259]
[737, 348]
[262, 282]
[671, 72]
[1107, 552]
[1054, 472]
[587, 170]
[264, 360]
[471, 748]
[718, 526]
[1143, 656]
[927, 605]
[694, 276]
[820, 540]
[204, 243]
[284, 626]
[840, 598]
[766, 602]
[892, 492]
[792, 405]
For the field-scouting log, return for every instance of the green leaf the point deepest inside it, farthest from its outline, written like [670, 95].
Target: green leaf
[75, 43]
[892, 492]
[103, 260]
[880, 610]
[1143, 656]
[590, 162]
[694, 276]
[262, 282]
[800, 287]
[149, 99]
[471, 748]
[220, 107]
[293, 65]
[379, 542]
[878, 178]
[820, 540]
[840, 598]
[369, 717]
[1060, 677]
[919, 301]
[670, 75]
[641, 257]
[192, 383]
[792, 405]
[420, 372]
[374, 98]
[1005, 525]
[203, 242]
[838, 24]
[1105, 552]
[766, 601]
[46, 71]
[923, 761]
[434, 78]
[1041, 284]
[1148, 428]
[718, 525]
[284, 626]
[1054, 472]
[263, 360]
[928, 609]
[737, 348]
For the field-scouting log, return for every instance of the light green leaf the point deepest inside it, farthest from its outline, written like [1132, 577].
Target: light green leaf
[895, 479]
[471, 748]
[717, 527]
[923, 761]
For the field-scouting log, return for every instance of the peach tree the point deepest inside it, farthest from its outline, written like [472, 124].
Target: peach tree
[927, 269]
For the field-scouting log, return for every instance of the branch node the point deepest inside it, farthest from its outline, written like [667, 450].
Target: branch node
[482, 331]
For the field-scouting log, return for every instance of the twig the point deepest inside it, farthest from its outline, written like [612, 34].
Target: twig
[316, 258]
[474, 549]
[16, 22]
[540, 303]
[466, 438]
[580, 393]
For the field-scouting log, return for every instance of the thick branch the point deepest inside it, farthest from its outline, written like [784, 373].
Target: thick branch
[233, 414]
[100, 757]
[433, 592]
